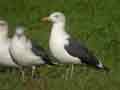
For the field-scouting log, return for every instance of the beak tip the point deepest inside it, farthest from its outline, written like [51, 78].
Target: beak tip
[45, 19]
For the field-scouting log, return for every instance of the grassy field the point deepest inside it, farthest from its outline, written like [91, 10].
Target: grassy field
[95, 22]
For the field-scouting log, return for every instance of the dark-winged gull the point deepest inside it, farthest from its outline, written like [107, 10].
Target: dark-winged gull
[25, 53]
[67, 50]
[5, 58]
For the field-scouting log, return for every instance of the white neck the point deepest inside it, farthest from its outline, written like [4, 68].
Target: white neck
[3, 35]
[58, 30]
[22, 38]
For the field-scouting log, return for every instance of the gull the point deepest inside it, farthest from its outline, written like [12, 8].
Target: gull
[26, 53]
[5, 58]
[66, 49]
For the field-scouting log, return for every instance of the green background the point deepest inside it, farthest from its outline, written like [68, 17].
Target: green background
[95, 22]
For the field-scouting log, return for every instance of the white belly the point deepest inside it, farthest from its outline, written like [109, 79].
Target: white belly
[24, 56]
[5, 58]
[58, 51]
[58, 39]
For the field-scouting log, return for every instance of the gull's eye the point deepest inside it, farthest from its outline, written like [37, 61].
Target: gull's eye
[56, 16]
[2, 24]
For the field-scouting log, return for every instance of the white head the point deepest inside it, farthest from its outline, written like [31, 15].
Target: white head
[19, 31]
[56, 17]
[3, 25]
[3, 29]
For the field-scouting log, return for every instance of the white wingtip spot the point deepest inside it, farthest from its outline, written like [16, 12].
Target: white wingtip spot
[100, 65]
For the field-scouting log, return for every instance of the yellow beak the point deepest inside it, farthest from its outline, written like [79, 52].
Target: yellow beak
[45, 19]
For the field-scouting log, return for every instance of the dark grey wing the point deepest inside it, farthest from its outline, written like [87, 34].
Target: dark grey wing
[39, 51]
[77, 49]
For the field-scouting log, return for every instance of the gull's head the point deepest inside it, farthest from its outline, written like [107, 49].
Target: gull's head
[3, 25]
[19, 31]
[56, 17]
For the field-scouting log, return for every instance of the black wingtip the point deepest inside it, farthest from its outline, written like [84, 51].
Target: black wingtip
[106, 69]
[50, 63]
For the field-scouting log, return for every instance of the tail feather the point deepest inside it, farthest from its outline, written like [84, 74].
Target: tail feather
[103, 68]
[106, 68]
[47, 61]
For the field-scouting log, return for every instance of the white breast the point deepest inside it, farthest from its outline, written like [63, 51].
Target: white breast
[23, 54]
[57, 41]
[5, 58]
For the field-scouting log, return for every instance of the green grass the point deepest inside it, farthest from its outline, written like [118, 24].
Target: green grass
[95, 22]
